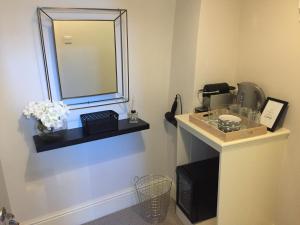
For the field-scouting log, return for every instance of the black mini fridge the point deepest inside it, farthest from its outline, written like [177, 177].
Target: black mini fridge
[197, 189]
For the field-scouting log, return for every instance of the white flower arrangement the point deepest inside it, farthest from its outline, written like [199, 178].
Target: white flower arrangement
[50, 114]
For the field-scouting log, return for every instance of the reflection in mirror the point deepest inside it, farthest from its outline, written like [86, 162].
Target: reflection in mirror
[85, 54]
[86, 57]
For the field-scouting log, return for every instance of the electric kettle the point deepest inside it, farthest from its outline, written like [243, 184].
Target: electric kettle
[250, 95]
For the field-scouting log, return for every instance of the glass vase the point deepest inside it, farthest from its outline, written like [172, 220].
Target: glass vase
[50, 134]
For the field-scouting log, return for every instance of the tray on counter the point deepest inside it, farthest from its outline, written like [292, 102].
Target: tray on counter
[248, 128]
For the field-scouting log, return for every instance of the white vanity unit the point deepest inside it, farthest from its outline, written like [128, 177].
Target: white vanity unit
[249, 172]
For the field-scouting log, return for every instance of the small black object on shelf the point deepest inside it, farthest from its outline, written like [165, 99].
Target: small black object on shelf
[98, 122]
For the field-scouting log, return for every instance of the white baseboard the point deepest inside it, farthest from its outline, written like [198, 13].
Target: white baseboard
[88, 211]
[91, 210]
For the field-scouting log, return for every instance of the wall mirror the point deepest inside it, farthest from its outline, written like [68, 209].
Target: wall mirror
[85, 54]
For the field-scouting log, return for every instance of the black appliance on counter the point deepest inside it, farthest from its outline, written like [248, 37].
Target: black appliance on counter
[197, 189]
[99, 122]
[215, 96]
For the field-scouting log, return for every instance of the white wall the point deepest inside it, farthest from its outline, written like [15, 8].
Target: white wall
[205, 48]
[184, 51]
[182, 67]
[204, 51]
[41, 184]
[217, 49]
[269, 56]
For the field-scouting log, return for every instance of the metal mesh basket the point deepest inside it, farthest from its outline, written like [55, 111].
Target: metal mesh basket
[154, 197]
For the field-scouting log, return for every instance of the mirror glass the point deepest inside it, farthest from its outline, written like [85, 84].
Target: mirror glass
[85, 53]
[86, 57]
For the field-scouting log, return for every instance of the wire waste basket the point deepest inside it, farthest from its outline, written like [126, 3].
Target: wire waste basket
[153, 192]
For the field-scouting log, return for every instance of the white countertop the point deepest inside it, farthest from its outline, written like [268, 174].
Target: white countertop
[218, 144]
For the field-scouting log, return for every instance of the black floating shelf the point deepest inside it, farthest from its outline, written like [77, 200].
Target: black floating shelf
[78, 136]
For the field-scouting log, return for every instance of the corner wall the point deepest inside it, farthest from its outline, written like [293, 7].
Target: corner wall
[184, 51]
[204, 51]
[182, 76]
[205, 48]
[269, 54]
[217, 48]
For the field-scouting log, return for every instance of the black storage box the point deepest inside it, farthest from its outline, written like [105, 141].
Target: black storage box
[197, 189]
[99, 122]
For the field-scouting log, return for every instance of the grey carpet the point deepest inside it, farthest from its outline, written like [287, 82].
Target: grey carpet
[130, 216]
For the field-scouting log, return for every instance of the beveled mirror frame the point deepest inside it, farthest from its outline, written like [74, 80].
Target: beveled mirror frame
[46, 18]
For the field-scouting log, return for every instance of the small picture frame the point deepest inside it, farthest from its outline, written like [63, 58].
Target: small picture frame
[272, 113]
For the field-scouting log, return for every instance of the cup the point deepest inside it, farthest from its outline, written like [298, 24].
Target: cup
[212, 116]
[252, 115]
[243, 111]
[234, 108]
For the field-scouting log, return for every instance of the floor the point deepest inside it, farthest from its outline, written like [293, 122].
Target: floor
[130, 216]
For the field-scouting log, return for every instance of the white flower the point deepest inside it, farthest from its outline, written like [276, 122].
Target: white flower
[51, 114]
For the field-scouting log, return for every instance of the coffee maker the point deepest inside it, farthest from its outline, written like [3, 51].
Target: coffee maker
[220, 95]
[215, 96]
